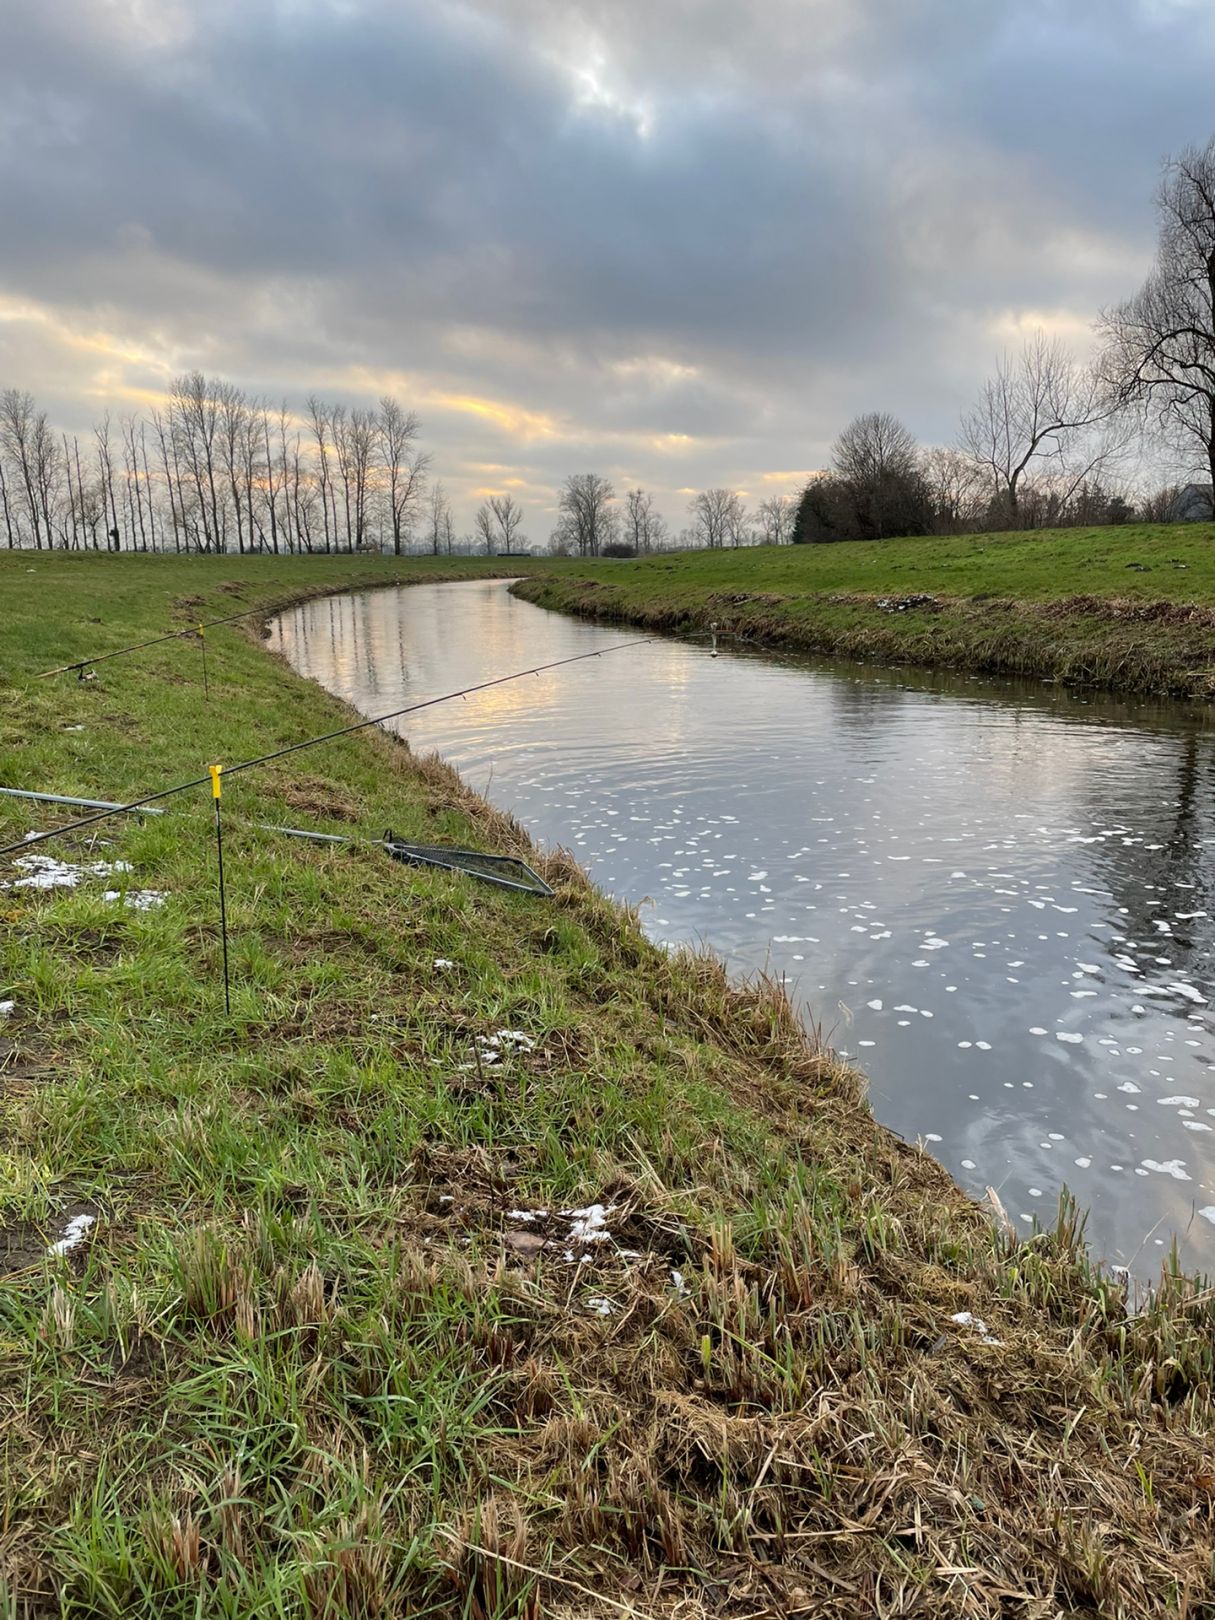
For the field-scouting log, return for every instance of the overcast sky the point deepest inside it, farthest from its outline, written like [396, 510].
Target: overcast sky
[679, 242]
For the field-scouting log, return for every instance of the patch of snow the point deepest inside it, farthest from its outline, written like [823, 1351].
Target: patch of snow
[45, 872]
[138, 899]
[589, 1224]
[965, 1319]
[73, 1234]
[507, 1038]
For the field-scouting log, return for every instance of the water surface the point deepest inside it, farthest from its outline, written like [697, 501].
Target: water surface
[996, 899]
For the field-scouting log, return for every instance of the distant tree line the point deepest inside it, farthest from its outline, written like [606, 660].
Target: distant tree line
[592, 522]
[216, 471]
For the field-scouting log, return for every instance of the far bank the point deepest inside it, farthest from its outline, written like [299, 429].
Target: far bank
[1129, 609]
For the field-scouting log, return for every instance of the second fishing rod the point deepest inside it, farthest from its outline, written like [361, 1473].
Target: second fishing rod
[30, 840]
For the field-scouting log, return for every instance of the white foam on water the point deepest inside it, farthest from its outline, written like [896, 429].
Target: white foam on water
[1170, 1167]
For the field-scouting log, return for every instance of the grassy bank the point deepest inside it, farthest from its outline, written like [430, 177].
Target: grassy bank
[487, 1261]
[1131, 609]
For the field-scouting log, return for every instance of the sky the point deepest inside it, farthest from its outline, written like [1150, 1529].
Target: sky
[680, 243]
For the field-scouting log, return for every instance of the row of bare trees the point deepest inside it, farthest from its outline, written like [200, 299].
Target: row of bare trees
[214, 471]
[592, 522]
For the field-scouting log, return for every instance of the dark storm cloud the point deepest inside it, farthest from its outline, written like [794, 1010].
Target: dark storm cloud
[683, 242]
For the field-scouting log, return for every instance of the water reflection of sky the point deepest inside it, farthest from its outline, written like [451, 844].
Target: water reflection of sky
[996, 901]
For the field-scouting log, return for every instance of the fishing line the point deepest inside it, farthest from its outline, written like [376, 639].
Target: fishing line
[138, 646]
[313, 742]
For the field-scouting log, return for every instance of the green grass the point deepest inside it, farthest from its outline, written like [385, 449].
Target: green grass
[306, 1363]
[1126, 608]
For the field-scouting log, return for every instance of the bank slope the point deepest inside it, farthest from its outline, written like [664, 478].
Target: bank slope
[488, 1261]
[1130, 609]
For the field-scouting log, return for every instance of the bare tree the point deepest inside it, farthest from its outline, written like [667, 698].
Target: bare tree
[404, 466]
[301, 492]
[1159, 504]
[587, 517]
[73, 512]
[105, 480]
[438, 520]
[642, 527]
[1159, 350]
[485, 528]
[271, 470]
[9, 527]
[957, 489]
[147, 483]
[873, 446]
[195, 414]
[1035, 409]
[774, 518]
[715, 517]
[253, 474]
[340, 429]
[508, 515]
[738, 523]
[318, 416]
[233, 427]
[17, 423]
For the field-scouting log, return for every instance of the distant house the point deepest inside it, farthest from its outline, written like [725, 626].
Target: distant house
[1195, 503]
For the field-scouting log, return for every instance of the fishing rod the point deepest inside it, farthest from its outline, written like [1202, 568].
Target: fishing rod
[65, 798]
[312, 742]
[138, 646]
